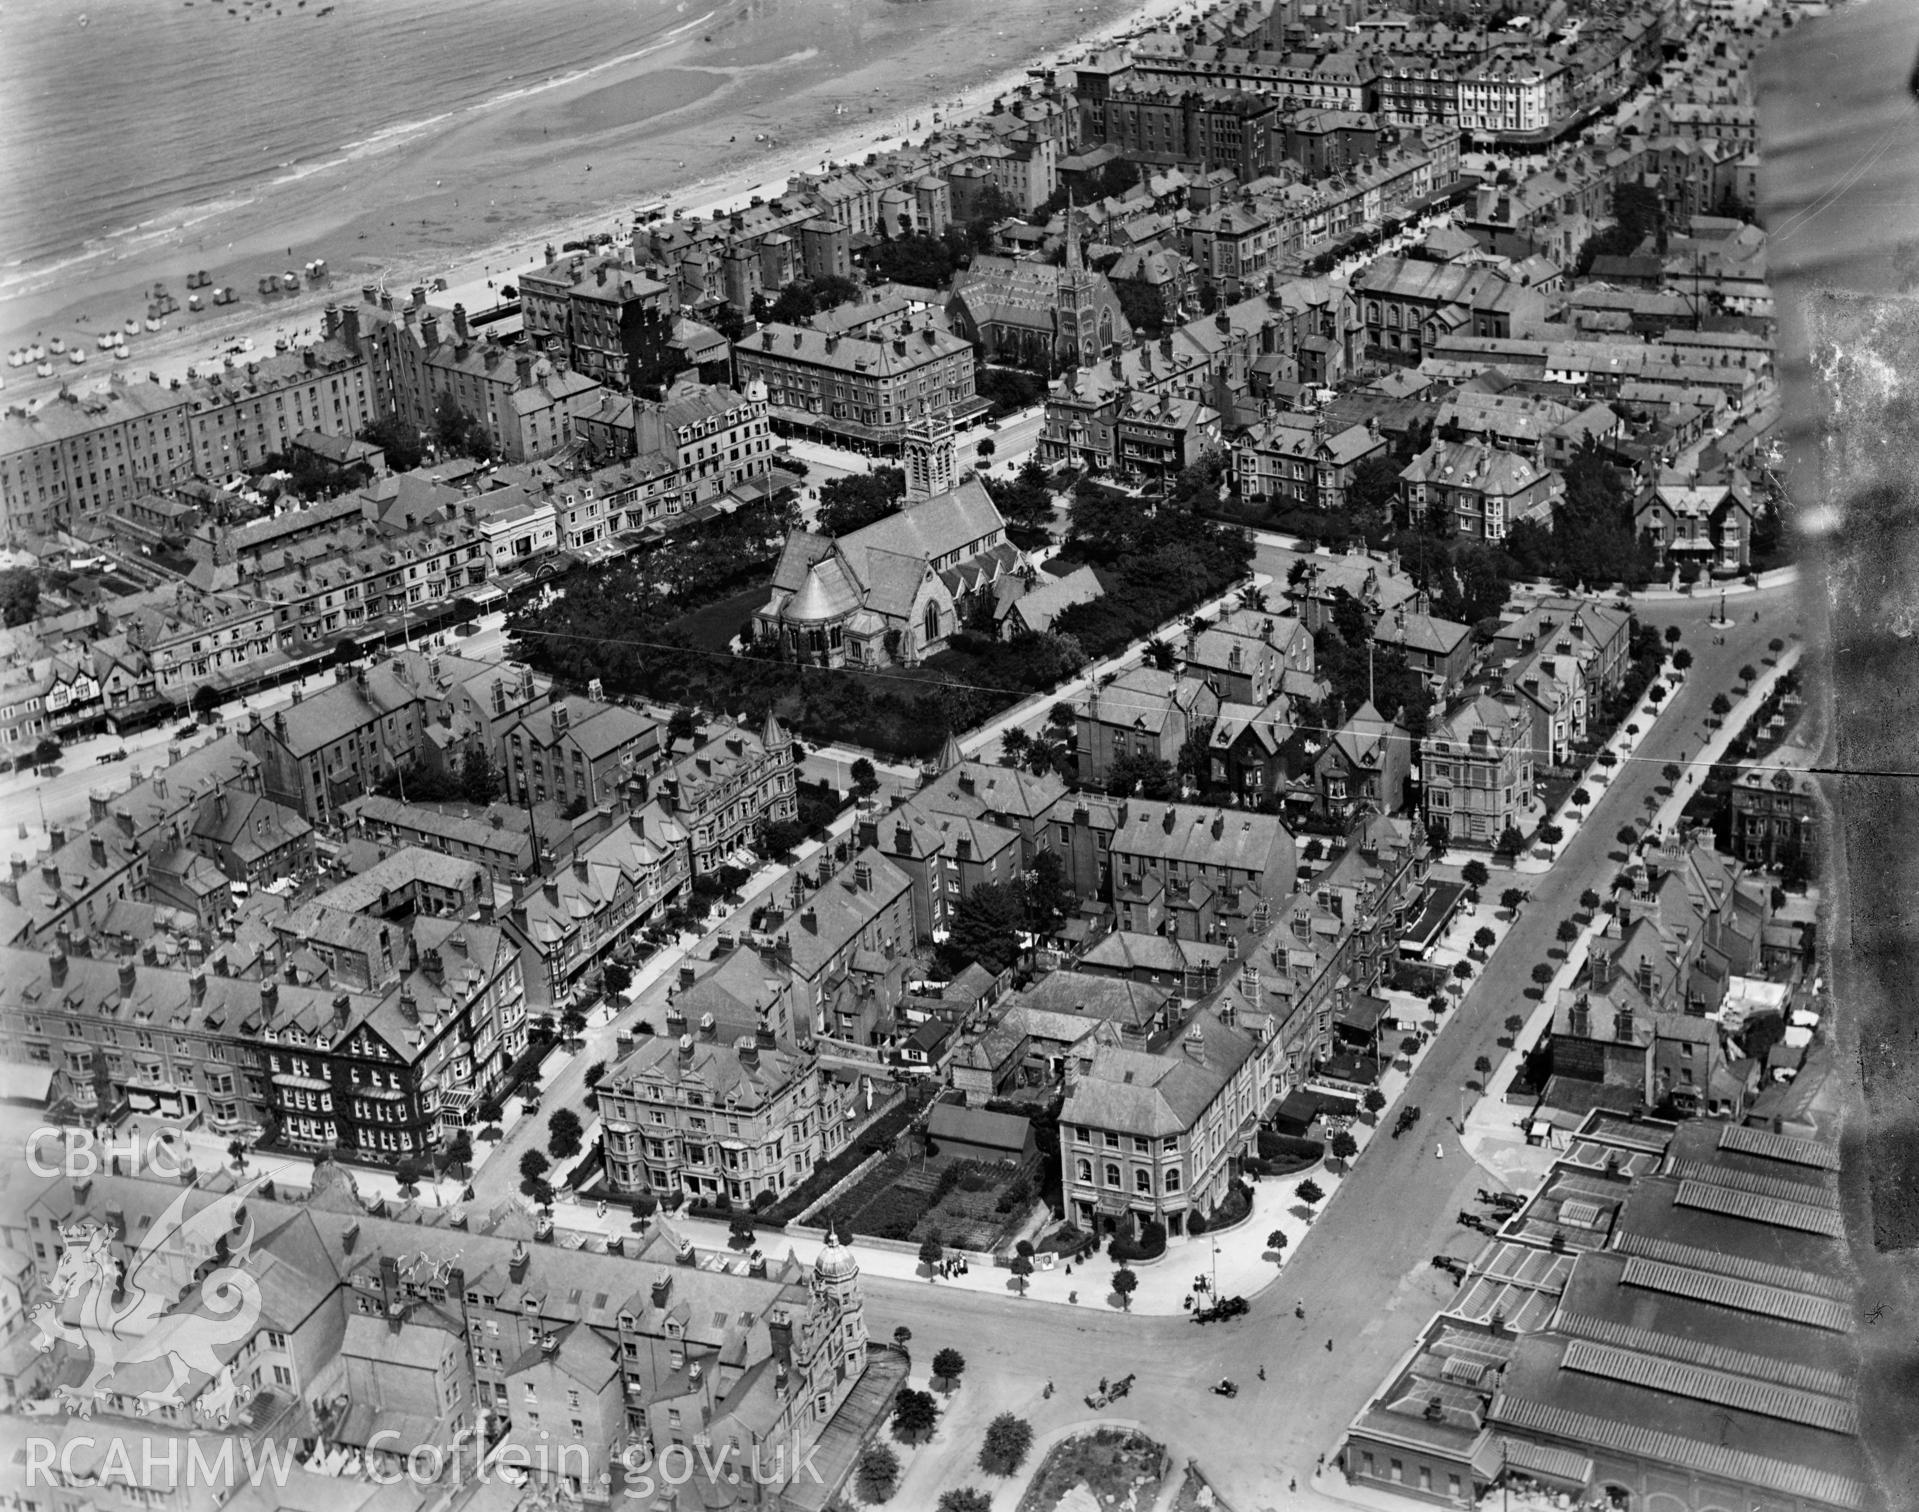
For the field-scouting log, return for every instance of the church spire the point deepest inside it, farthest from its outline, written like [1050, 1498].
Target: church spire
[1073, 264]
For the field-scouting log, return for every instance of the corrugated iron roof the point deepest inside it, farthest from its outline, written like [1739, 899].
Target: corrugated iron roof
[1701, 1383]
[1733, 1203]
[1813, 1282]
[1676, 1449]
[1718, 1356]
[1785, 1147]
[1818, 1193]
[1742, 1296]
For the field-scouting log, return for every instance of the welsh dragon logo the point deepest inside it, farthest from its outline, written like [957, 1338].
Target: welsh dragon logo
[149, 1317]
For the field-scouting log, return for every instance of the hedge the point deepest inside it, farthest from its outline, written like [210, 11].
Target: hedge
[1150, 1245]
[1274, 1146]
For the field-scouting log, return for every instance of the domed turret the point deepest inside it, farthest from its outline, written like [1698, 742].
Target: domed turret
[836, 1263]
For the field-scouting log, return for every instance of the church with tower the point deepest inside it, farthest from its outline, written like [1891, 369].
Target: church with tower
[893, 592]
[1036, 316]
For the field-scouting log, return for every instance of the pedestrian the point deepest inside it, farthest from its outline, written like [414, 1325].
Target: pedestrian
[1293, 1485]
[1262, 1372]
[1329, 1346]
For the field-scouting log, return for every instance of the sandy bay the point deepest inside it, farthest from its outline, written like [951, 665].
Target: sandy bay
[478, 196]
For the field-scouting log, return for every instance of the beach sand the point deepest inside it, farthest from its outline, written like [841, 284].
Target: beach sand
[479, 202]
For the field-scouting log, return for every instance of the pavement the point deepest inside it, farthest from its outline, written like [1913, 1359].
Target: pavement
[982, 742]
[1490, 1127]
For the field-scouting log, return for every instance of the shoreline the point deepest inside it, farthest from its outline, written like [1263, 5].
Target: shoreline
[546, 190]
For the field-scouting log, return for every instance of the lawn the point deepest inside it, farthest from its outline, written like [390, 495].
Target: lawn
[1123, 1469]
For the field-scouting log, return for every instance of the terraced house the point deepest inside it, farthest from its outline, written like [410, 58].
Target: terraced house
[1328, 947]
[380, 1336]
[746, 1121]
[570, 922]
[576, 751]
[387, 1032]
[729, 787]
[1478, 769]
[858, 390]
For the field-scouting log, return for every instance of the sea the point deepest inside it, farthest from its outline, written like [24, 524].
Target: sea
[132, 118]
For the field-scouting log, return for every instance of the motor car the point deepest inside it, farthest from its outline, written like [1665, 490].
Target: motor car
[107, 756]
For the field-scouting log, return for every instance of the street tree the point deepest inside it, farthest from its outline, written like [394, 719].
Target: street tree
[1015, 745]
[1589, 900]
[1511, 898]
[1671, 771]
[948, 1366]
[1748, 674]
[1409, 1045]
[1342, 1146]
[878, 1474]
[986, 448]
[237, 1153]
[915, 1415]
[866, 781]
[1627, 836]
[1463, 970]
[1681, 659]
[1125, 1283]
[1514, 1023]
[932, 1252]
[965, 1499]
[408, 1173]
[1721, 706]
[1474, 873]
[1551, 834]
[1484, 938]
[1022, 1267]
[1277, 1241]
[1311, 1194]
[1656, 694]
[1542, 974]
[1483, 1065]
[902, 1336]
[533, 1167]
[1672, 635]
[1374, 1100]
[564, 1134]
[1566, 932]
[1581, 797]
[1008, 1441]
[1775, 645]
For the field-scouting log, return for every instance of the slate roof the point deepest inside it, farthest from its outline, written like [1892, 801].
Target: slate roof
[1156, 1095]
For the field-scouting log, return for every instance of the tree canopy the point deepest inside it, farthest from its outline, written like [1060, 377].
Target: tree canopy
[19, 595]
[858, 499]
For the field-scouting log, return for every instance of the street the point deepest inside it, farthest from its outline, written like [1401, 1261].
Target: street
[1363, 1274]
